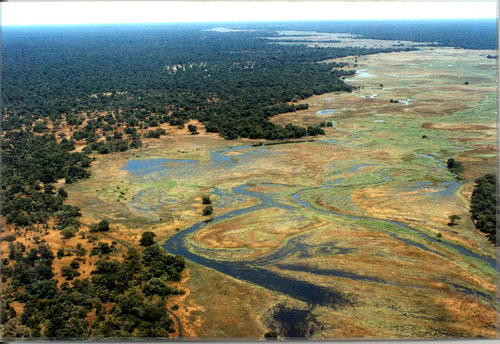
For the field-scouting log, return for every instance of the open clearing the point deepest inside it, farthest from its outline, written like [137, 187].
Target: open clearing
[345, 227]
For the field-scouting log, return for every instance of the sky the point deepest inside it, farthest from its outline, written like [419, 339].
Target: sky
[90, 12]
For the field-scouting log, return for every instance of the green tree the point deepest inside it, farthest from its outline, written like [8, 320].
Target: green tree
[101, 226]
[68, 232]
[147, 238]
[208, 210]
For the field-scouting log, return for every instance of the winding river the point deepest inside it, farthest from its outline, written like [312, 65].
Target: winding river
[255, 272]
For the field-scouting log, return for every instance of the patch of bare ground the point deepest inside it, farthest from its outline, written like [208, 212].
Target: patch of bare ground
[185, 309]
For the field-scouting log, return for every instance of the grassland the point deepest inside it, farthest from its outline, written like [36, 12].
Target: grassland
[326, 200]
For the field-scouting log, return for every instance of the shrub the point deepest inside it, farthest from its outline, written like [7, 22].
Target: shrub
[147, 239]
[208, 210]
[271, 335]
[68, 232]
[102, 226]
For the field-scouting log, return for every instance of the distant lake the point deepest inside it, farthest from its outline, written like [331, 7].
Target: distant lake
[325, 112]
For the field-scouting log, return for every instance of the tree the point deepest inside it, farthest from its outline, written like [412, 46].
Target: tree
[60, 253]
[483, 206]
[69, 272]
[453, 219]
[193, 129]
[157, 286]
[62, 193]
[147, 238]
[206, 200]
[208, 210]
[455, 166]
[68, 232]
[80, 251]
[101, 226]
[271, 335]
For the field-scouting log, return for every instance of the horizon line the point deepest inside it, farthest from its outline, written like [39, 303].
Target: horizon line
[247, 21]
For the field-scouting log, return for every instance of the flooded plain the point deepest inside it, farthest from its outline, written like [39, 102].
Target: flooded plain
[313, 235]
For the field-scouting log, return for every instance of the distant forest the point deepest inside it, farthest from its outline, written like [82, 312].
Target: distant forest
[145, 75]
[460, 33]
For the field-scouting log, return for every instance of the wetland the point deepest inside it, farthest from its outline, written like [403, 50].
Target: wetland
[250, 181]
[318, 223]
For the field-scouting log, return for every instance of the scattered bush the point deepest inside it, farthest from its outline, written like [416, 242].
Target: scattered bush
[147, 238]
[101, 226]
[208, 210]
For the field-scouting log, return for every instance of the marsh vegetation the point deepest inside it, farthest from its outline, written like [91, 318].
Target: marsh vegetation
[179, 181]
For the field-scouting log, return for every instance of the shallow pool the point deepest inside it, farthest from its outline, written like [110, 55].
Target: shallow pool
[325, 112]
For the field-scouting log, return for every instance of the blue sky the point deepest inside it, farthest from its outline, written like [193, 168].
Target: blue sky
[88, 12]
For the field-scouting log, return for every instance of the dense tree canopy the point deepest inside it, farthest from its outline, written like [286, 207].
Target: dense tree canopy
[142, 76]
[484, 205]
[130, 288]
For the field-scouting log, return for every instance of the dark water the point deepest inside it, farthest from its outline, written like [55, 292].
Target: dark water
[293, 323]
[329, 272]
[300, 290]
[255, 271]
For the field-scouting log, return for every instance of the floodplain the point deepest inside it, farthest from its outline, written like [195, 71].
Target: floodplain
[338, 236]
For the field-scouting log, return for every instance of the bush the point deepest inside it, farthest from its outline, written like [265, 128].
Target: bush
[9, 238]
[271, 335]
[68, 232]
[147, 239]
[102, 226]
[60, 253]
[68, 272]
[208, 210]
[206, 200]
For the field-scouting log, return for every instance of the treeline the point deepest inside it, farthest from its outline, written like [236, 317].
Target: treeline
[111, 86]
[460, 33]
[484, 205]
[121, 298]
[145, 75]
